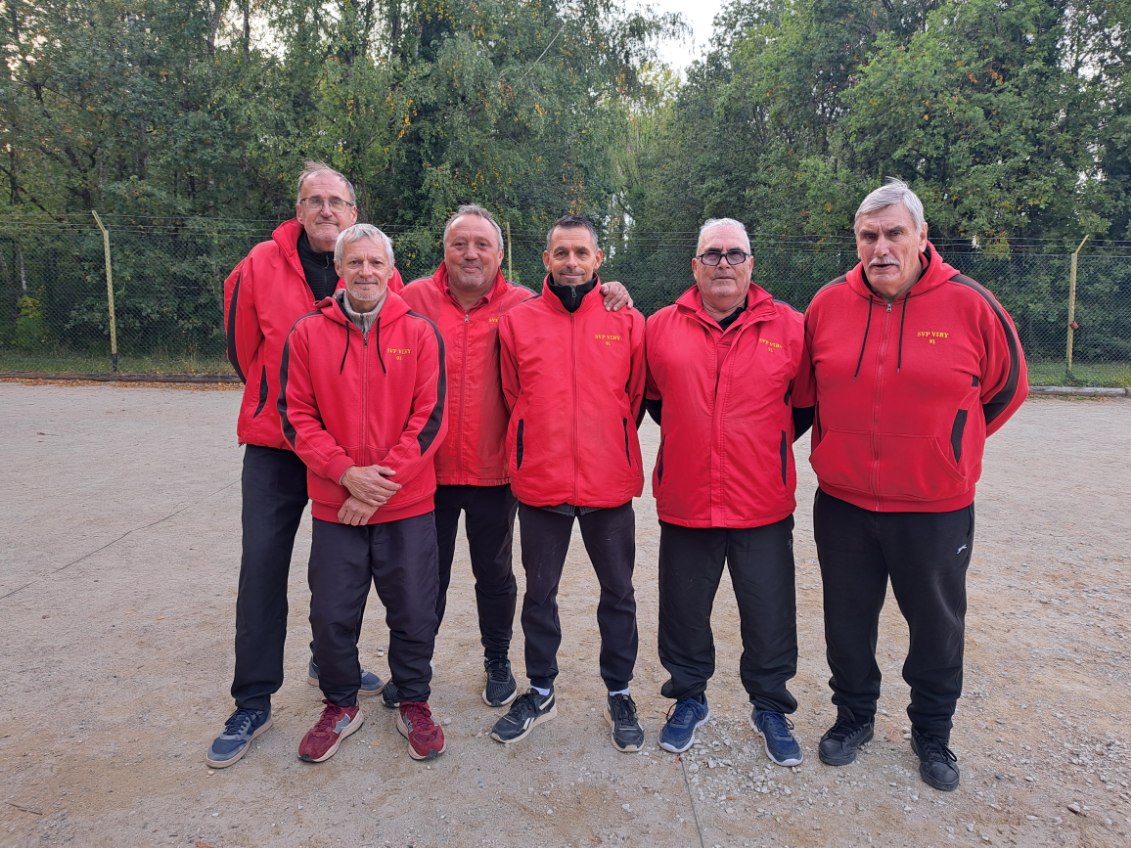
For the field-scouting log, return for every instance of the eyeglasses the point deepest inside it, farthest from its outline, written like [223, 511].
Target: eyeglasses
[336, 203]
[714, 257]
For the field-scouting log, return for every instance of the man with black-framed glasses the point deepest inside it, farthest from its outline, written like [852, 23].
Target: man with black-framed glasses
[729, 384]
[276, 283]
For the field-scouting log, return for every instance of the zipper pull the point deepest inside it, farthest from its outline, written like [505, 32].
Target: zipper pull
[467, 317]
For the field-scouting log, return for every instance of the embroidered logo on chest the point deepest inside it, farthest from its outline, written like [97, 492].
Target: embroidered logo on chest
[607, 339]
[398, 353]
[933, 336]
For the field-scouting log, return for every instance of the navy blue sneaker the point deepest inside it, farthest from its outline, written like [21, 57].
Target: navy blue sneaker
[240, 728]
[777, 731]
[684, 718]
[371, 684]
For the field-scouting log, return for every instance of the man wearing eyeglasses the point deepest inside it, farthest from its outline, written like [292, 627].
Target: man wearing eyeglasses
[276, 283]
[729, 383]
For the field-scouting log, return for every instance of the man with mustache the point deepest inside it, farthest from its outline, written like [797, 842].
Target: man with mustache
[465, 297]
[915, 365]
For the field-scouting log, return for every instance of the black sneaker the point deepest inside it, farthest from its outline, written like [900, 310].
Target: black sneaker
[391, 696]
[620, 712]
[842, 741]
[527, 711]
[936, 761]
[501, 688]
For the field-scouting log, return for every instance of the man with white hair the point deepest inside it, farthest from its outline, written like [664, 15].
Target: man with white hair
[361, 400]
[914, 366]
[729, 384]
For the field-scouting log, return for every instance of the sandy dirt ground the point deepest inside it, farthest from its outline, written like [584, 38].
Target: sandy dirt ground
[118, 566]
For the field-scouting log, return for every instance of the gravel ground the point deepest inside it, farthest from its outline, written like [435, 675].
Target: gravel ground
[118, 566]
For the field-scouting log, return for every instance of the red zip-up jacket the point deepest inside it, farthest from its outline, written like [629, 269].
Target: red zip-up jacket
[348, 399]
[574, 383]
[907, 392]
[726, 433]
[263, 297]
[474, 453]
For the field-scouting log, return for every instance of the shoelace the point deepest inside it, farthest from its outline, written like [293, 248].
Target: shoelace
[624, 708]
[776, 725]
[238, 724]
[680, 713]
[497, 671]
[329, 718]
[417, 715]
[934, 750]
[841, 730]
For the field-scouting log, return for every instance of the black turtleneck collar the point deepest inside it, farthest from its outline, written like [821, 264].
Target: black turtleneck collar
[318, 267]
[571, 296]
[730, 319]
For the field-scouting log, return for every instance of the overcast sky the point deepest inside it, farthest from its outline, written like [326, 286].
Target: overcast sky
[697, 13]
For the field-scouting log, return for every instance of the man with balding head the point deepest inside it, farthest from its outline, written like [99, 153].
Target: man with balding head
[278, 281]
[729, 384]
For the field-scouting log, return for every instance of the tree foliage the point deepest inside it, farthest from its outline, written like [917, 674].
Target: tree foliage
[1011, 118]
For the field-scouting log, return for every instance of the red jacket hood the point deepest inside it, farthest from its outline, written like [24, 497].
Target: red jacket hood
[439, 279]
[759, 304]
[393, 307]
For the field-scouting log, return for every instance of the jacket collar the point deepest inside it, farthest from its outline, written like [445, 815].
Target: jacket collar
[759, 306]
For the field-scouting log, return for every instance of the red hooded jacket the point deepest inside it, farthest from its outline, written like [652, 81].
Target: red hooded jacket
[263, 297]
[907, 392]
[726, 433]
[574, 383]
[350, 399]
[474, 454]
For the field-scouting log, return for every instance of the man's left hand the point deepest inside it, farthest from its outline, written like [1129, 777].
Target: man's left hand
[355, 512]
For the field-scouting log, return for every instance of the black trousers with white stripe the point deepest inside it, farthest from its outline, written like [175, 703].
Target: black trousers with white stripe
[925, 555]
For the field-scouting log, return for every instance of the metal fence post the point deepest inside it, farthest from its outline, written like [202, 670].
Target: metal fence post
[1072, 307]
[109, 292]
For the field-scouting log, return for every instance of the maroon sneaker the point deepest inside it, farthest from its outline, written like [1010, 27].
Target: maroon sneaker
[336, 723]
[425, 738]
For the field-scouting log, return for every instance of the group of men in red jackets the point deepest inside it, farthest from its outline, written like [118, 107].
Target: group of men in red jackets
[395, 409]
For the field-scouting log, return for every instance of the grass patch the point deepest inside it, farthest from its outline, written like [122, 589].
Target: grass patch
[64, 362]
[1049, 373]
[1053, 373]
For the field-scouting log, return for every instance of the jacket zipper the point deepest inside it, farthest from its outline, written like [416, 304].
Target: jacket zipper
[573, 402]
[362, 434]
[876, 396]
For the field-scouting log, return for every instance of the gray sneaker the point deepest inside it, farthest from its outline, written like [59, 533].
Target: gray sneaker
[620, 712]
[371, 684]
[525, 714]
[240, 728]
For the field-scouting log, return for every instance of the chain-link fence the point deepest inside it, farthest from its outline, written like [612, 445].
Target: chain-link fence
[56, 313]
